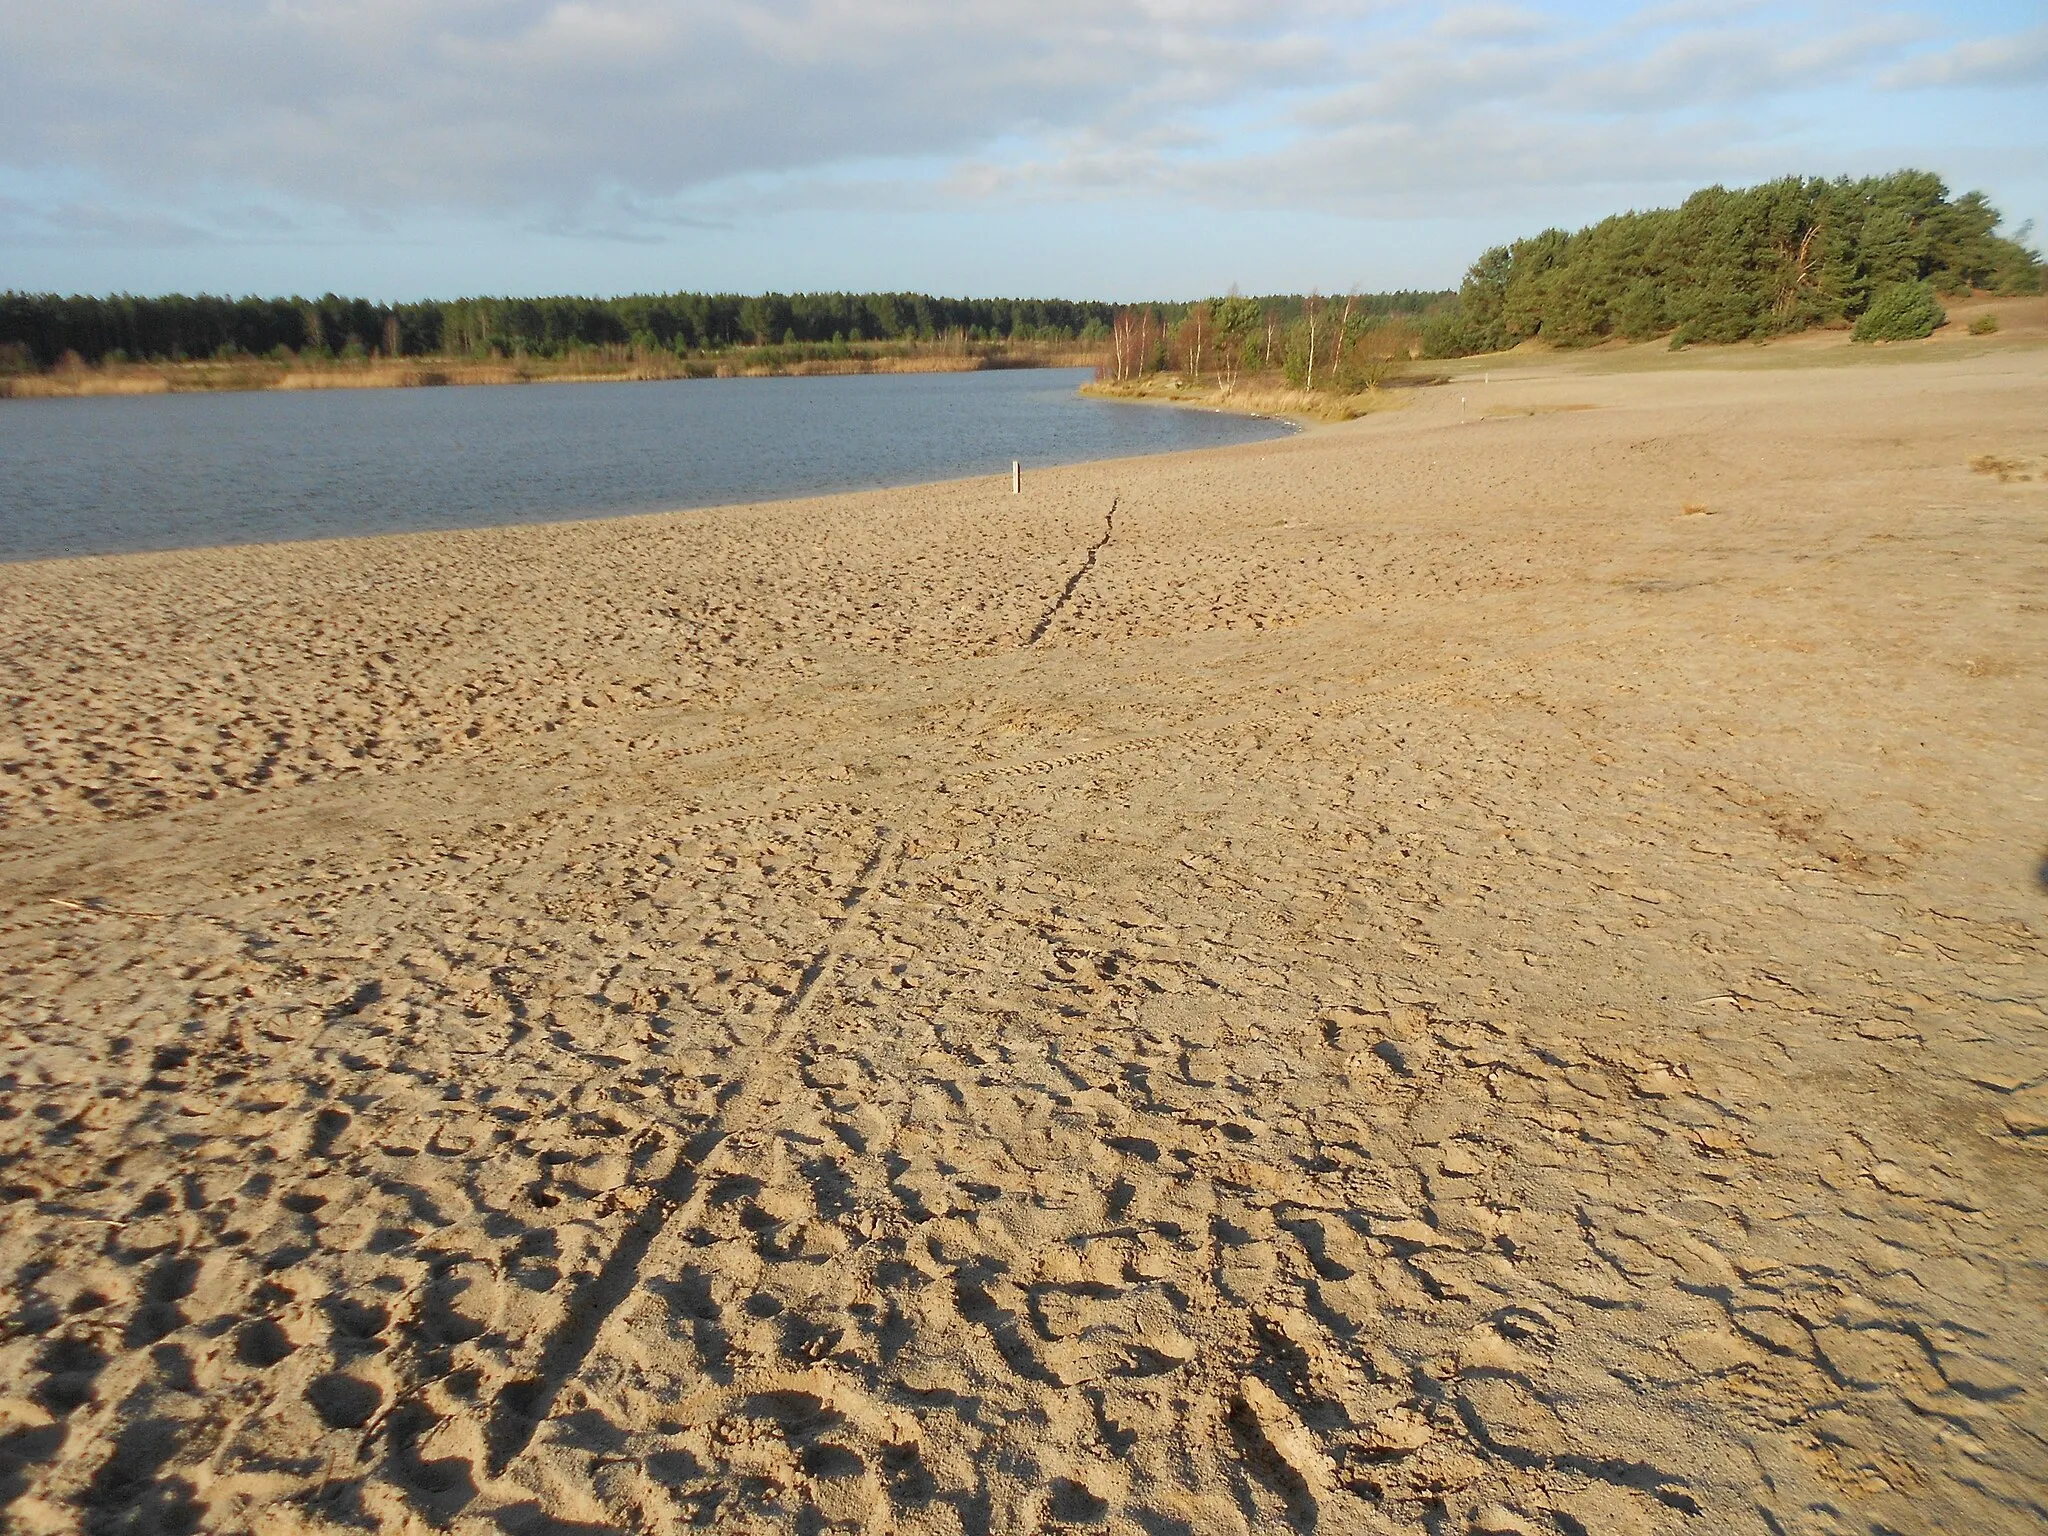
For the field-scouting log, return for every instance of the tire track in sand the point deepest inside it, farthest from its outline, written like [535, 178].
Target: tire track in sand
[525, 1405]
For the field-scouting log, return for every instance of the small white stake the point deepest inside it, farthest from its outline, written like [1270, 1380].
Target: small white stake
[1016, 478]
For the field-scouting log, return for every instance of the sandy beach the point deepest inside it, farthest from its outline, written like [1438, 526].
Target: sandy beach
[1437, 975]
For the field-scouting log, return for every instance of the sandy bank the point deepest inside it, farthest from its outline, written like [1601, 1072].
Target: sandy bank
[1305, 408]
[1441, 990]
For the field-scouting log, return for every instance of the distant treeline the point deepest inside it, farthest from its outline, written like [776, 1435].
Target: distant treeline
[42, 329]
[178, 327]
[1735, 265]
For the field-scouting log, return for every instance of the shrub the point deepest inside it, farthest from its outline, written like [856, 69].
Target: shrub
[1720, 314]
[1901, 312]
[1362, 366]
[1447, 333]
[1641, 312]
[1984, 325]
[1294, 361]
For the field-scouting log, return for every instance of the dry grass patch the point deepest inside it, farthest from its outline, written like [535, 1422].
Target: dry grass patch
[617, 364]
[2007, 470]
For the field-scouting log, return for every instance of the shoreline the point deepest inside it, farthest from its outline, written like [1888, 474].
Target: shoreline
[649, 515]
[1305, 410]
[109, 380]
[1283, 427]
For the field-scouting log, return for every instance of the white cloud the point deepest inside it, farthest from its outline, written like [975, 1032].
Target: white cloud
[627, 120]
[1727, 64]
[465, 103]
[25, 221]
[1485, 107]
[1491, 23]
[2018, 59]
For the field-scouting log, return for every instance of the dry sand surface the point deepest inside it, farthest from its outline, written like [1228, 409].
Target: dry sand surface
[1400, 981]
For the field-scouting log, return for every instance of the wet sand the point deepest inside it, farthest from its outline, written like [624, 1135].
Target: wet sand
[1393, 980]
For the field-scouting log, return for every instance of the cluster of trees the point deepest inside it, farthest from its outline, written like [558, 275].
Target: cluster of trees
[1736, 265]
[41, 328]
[1317, 342]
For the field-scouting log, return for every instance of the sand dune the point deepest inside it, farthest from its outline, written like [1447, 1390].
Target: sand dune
[1402, 981]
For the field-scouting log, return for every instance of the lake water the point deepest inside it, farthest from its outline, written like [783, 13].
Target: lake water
[102, 476]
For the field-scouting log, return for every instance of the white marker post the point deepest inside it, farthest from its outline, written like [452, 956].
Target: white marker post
[1016, 477]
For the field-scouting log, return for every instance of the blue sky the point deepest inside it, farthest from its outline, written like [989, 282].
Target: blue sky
[1086, 148]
